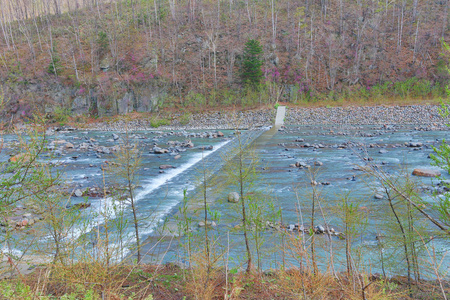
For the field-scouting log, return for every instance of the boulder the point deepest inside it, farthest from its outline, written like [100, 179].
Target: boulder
[320, 229]
[208, 223]
[210, 147]
[318, 163]
[69, 146]
[78, 193]
[426, 172]
[299, 164]
[21, 157]
[378, 196]
[164, 167]
[81, 205]
[415, 144]
[233, 197]
[220, 134]
[158, 150]
[115, 136]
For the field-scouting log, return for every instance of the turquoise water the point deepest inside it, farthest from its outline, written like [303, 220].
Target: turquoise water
[339, 149]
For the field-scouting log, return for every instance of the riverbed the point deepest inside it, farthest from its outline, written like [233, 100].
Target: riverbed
[288, 160]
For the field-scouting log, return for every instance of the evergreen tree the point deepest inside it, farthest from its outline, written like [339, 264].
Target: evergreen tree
[55, 66]
[251, 72]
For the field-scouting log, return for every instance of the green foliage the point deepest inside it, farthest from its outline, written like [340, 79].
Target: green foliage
[441, 156]
[194, 99]
[157, 122]
[102, 43]
[185, 118]
[61, 114]
[251, 72]
[127, 162]
[55, 65]
[16, 290]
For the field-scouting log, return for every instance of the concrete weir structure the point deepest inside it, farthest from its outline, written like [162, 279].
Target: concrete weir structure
[281, 114]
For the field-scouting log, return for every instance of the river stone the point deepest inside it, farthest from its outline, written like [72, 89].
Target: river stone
[233, 197]
[415, 144]
[426, 172]
[115, 136]
[163, 167]
[300, 164]
[22, 157]
[81, 205]
[78, 193]
[69, 146]
[320, 229]
[378, 196]
[383, 151]
[208, 223]
[158, 150]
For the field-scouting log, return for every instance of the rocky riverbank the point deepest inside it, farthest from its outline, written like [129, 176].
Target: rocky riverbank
[427, 115]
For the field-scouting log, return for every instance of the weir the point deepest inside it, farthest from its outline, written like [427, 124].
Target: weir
[213, 163]
[159, 199]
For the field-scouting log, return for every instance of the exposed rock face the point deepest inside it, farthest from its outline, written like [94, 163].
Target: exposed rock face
[426, 172]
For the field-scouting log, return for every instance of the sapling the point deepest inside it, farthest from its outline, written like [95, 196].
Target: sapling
[126, 166]
[240, 168]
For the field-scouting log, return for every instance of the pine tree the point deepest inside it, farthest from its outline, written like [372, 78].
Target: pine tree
[251, 72]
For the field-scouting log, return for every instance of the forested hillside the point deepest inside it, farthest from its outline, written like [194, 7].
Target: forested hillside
[101, 57]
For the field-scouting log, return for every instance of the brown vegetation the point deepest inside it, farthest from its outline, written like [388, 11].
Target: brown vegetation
[118, 57]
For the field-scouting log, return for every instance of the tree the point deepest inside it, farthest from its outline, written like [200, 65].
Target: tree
[240, 168]
[125, 167]
[251, 73]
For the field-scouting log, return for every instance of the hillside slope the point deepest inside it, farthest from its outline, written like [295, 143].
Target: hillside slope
[111, 58]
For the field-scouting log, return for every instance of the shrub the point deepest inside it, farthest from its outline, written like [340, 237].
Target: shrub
[157, 122]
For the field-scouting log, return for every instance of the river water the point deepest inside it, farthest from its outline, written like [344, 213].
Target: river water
[278, 186]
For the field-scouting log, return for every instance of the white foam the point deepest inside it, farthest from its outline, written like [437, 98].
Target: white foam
[169, 175]
[104, 208]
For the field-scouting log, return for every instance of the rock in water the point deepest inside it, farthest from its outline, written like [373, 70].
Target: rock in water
[415, 144]
[82, 205]
[69, 146]
[163, 167]
[320, 229]
[233, 197]
[21, 157]
[426, 172]
[78, 193]
[209, 224]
